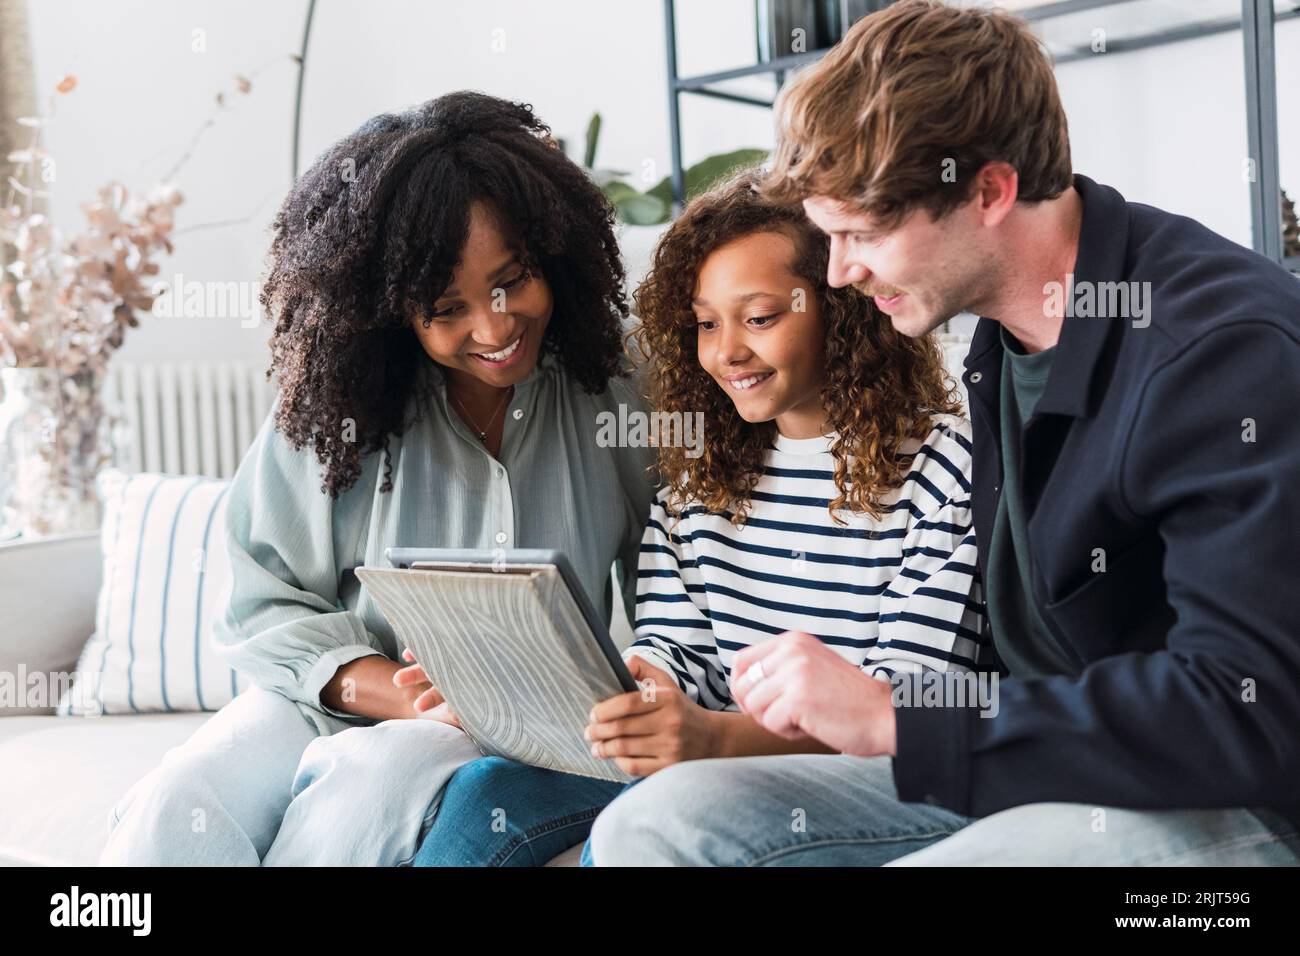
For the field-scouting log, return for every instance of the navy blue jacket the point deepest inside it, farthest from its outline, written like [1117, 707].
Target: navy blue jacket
[1187, 688]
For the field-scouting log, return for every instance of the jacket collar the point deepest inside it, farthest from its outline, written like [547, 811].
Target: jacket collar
[1072, 388]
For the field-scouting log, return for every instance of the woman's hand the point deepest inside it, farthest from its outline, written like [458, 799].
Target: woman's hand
[649, 729]
[423, 696]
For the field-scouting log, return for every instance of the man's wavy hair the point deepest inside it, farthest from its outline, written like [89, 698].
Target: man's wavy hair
[370, 236]
[881, 389]
[912, 102]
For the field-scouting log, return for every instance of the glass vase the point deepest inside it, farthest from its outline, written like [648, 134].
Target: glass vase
[54, 439]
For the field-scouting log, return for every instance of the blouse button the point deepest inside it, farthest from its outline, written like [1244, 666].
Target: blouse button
[518, 413]
[501, 537]
[501, 472]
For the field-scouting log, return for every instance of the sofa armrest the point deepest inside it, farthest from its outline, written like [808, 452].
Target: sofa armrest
[49, 587]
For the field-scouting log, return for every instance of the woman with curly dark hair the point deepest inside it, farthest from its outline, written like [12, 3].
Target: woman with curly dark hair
[448, 296]
[832, 498]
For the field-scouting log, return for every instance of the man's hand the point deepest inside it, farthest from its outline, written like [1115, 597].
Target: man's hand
[423, 696]
[654, 727]
[794, 685]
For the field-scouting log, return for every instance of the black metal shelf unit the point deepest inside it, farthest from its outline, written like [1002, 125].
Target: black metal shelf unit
[1257, 22]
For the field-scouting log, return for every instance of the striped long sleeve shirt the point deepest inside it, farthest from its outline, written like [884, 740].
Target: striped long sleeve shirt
[891, 595]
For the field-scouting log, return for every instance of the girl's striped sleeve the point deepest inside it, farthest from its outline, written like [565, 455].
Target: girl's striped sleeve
[673, 631]
[932, 613]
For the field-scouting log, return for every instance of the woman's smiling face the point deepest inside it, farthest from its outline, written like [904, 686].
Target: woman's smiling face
[759, 332]
[488, 322]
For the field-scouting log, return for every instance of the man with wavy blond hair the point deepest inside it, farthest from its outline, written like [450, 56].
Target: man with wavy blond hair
[1133, 380]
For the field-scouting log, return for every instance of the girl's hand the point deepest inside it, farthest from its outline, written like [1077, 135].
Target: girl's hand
[647, 730]
[422, 694]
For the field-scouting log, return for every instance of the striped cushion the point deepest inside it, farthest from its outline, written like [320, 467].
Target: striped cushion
[166, 576]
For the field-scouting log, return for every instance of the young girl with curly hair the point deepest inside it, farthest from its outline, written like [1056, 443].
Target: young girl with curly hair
[832, 497]
[448, 301]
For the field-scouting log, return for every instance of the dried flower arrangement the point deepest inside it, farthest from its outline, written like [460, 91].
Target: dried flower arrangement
[65, 306]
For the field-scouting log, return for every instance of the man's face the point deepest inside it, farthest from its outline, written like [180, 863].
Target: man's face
[920, 273]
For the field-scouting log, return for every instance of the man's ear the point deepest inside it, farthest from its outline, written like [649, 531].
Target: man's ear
[997, 186]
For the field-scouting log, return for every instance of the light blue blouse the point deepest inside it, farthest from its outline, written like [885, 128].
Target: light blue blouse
[297, 611]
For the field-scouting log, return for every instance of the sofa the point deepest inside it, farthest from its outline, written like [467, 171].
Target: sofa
[60, 775]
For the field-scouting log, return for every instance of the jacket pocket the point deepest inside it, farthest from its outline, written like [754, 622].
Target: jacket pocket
[1119, 610]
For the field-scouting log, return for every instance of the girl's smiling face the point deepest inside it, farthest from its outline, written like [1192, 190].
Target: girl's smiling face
[488, 322]
[759, 332]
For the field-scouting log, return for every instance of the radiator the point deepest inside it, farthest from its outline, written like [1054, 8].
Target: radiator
[186, 418]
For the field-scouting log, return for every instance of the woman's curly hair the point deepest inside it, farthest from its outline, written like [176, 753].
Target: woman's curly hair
[882, 387]
[371, 235]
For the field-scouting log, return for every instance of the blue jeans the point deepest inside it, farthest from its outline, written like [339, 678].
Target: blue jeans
[496, 812]
[837, 810]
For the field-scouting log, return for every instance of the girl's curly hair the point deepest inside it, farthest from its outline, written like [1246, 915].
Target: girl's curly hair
[371, 234]
[881, 387]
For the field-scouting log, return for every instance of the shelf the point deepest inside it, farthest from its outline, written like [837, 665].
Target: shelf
[1066, 28]
[692, 84]
[1130, 25]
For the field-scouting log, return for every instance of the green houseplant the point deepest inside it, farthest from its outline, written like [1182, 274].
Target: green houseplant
[654, 206]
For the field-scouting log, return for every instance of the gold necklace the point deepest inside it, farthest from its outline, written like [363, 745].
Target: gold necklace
[482, 432]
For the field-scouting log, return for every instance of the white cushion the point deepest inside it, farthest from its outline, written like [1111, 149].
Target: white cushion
[49, 610]
[165, 576]
[63, 776]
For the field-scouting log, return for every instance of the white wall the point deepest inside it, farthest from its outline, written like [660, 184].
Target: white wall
[141, 96]
[1165, 126]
